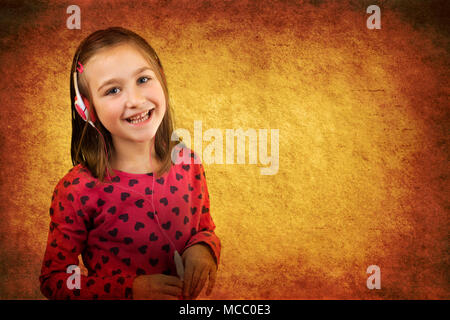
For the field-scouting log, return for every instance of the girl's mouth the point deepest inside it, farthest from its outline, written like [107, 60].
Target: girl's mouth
[142, 119]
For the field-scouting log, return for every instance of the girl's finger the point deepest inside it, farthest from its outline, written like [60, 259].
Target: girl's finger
[171, 290]
[212, 281]
[201, 282]
[174, 281]
[187, 278]
[195, 277]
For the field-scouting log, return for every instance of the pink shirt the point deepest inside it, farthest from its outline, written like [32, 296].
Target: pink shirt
[113, 226]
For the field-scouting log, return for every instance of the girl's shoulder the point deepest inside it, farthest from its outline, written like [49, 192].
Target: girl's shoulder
[76, 180]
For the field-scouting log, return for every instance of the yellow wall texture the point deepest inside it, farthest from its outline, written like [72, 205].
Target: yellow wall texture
[363, 140]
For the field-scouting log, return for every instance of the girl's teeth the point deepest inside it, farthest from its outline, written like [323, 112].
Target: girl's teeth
[139, 116]
[147, 115]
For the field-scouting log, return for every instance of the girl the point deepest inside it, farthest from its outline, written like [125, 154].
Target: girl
[129, 211]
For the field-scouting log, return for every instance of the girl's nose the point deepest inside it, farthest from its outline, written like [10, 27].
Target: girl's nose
[134, 98]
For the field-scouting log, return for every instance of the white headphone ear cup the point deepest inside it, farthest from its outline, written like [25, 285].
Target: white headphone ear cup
[80, 110]
[88, 110]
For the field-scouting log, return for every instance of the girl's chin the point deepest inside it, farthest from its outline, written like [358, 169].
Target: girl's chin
[142, 137]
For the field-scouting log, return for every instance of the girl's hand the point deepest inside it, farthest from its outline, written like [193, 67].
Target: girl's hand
[199, 264]
[157, 287]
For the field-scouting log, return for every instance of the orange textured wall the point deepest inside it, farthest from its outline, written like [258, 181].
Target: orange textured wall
[363, 119]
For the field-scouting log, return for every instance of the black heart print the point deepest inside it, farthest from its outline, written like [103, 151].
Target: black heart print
[153, 237]
[164, 201]
[139, 203]
[176, 210]
[68, 220]
[153, 262]
[84, 199]
[112, 210]
[140, 272]
[90, 185]
[132, 182]
[138, 226]
[113, 232]
[143, 249]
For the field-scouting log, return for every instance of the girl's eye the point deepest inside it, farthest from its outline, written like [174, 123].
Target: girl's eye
[146, 79]
[111, 91]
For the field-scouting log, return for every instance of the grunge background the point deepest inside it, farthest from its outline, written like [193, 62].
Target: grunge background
[364, 131]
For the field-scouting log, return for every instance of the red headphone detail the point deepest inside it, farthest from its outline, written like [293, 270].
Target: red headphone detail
[81, 103]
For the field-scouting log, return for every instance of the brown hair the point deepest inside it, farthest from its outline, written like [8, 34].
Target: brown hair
[87, 146]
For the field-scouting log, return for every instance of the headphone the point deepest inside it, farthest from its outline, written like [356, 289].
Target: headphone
[81, 103]
[87, 114]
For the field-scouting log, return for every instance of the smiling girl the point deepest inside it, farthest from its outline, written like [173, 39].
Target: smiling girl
[127, 206]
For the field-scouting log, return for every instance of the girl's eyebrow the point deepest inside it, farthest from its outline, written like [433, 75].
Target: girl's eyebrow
[117, 80]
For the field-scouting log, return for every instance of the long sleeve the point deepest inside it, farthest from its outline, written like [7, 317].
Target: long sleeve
[204, 233]
[67, 237]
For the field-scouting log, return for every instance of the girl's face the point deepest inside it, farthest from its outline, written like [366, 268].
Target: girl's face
[128, 98]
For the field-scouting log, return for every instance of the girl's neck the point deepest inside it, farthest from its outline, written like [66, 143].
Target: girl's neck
[135, 157]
